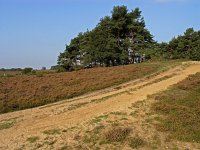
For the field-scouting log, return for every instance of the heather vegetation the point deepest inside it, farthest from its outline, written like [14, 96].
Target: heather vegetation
[179, 110]
[27, 91]
[119, 39]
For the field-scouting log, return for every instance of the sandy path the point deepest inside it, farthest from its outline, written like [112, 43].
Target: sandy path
[35, 121]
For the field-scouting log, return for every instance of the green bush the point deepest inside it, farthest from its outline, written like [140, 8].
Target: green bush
[27, 70]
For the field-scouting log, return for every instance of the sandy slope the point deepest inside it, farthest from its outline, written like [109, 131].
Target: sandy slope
[59, 115]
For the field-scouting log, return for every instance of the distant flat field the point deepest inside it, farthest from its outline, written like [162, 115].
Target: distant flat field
[2, 73]
[26, 91]
[14, 73]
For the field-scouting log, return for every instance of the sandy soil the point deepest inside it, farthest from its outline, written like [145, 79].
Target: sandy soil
[69, 113]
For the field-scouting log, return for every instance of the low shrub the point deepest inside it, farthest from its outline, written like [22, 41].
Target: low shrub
[118, 134]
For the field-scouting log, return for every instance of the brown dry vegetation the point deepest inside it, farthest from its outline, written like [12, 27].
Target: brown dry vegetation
[9, 73]
[17, 73]
[27, 91]
[117, 134]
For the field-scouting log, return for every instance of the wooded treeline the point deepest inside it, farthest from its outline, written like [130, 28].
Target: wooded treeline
[113, 41]
[186, 46]
[119, 38]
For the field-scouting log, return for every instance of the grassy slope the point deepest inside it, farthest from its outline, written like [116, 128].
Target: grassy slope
[27, 91]
[180, 110]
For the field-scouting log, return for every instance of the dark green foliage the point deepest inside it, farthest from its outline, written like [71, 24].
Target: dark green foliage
[12, 69]
[113, 41]
[27, 70]
[56, 67]
[44, 68]
[2, 69]
[186, 46]
[118, 39]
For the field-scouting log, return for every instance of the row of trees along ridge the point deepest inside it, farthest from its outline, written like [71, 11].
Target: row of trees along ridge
[117, 39]
[114, 41]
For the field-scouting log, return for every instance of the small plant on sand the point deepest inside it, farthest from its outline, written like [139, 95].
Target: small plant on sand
[136, 142]
[118, 134]
[52, 131]
[33, 139]
[65, 148]
[119, 113]
[6, 124]
[99, 119]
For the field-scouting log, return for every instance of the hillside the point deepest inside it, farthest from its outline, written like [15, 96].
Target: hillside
[26, 91]
[125, 117]
[100, 75]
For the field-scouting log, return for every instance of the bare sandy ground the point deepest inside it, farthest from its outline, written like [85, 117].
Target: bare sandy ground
[75, 111]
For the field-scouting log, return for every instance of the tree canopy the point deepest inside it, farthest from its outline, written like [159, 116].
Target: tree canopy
[119, 38]
[114, 41]
[185, 46]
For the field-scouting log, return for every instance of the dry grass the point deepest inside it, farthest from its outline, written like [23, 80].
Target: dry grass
[27, 91]
[52, 131]
[119, 113]
[99, 118]
[78, 105]
[6, 124]
[180, 108]
[18, 73]
[9, 73]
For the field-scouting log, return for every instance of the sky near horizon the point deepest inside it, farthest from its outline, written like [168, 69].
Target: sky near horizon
[34, 32]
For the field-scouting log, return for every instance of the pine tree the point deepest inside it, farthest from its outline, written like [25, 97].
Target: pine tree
[114, 41]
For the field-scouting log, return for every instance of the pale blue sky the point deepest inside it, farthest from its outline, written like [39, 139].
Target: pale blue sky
[34, 32]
